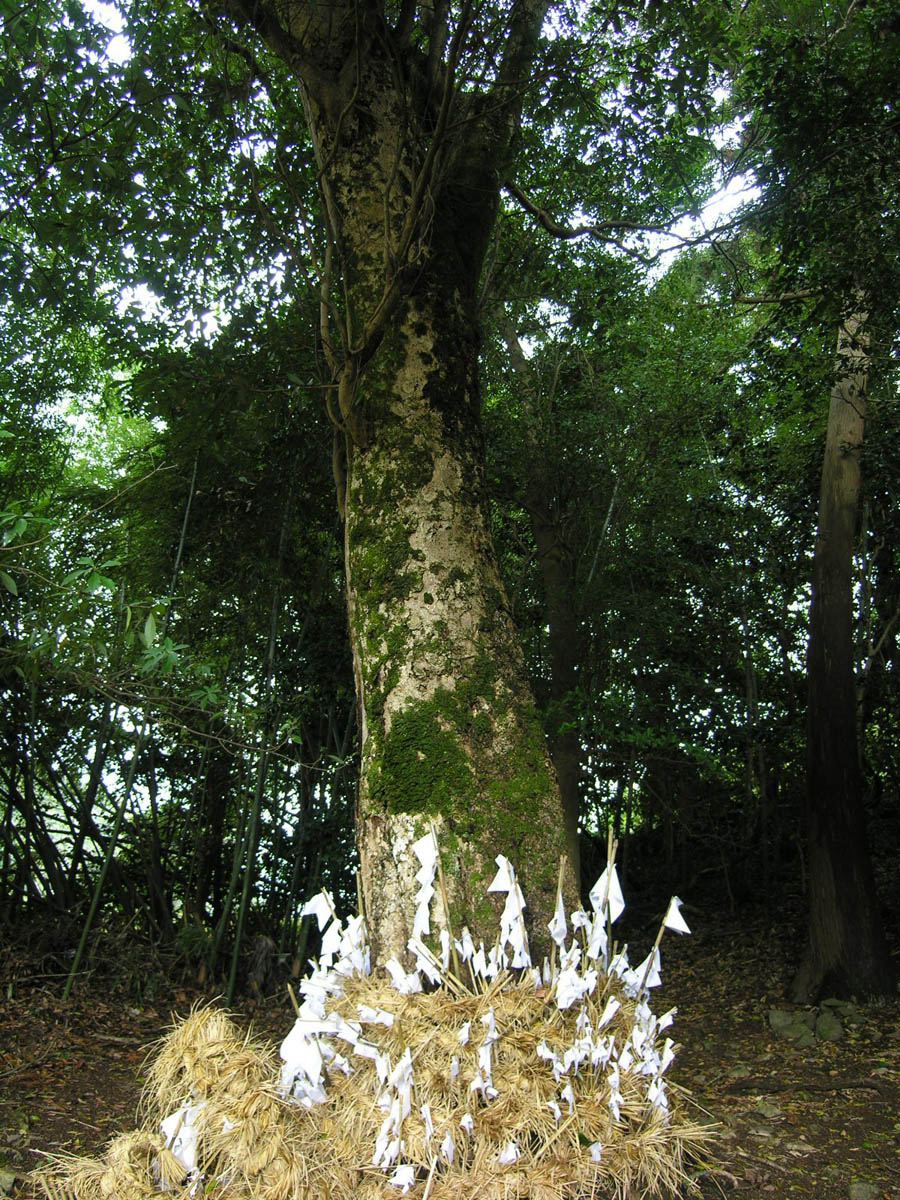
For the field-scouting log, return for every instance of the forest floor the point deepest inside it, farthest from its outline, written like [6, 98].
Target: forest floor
[814, 1123]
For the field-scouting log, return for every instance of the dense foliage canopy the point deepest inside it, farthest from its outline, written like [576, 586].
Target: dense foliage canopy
[179, 730]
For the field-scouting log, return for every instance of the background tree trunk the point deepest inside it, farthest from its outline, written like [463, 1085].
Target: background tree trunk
[847, 953]
[556, 560]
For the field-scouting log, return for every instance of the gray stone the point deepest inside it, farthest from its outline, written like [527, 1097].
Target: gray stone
[846, 1008]
[7, 1181]
[766, 1108]
[781, 1019]
[792, 1025]
[828, 1026]
[860, 1190]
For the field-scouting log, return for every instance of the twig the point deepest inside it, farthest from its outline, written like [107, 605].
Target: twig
[445, 900]
[430, 1179]
[767, 1087]
[26, 1066]
[294, 1004]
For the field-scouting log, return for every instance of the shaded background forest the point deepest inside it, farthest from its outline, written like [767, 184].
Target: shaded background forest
[178, 753]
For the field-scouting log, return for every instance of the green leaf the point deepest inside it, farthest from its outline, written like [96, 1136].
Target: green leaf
[149, 635]
[9, 583]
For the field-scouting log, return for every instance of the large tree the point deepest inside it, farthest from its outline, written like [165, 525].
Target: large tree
[237, 149]
[847, 950]
[414, 112]
[413, 117]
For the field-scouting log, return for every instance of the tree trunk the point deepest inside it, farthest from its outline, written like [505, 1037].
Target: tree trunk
[847, 953]
[565, 643]
[450, 733]
[412, 122]
[557, 564]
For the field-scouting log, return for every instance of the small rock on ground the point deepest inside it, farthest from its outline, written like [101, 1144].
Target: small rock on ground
[860, 1190]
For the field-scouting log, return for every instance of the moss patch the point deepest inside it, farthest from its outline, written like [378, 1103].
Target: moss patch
[424, 767]
[440, 756]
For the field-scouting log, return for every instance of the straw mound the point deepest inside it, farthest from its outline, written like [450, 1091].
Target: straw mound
[246, 1133]
[136, 1165]
[527, 1085]
[584, 1152]
[252, 1143]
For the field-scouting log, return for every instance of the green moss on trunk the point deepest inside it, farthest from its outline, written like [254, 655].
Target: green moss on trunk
[451, 732]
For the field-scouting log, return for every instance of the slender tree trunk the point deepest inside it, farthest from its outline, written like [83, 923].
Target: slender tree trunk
[269, 722]
[847, 953]
[38, 839]
[158, 901]
[86, 824]
[565, 644]
[240, 847]
[137, 751]
[557, 565]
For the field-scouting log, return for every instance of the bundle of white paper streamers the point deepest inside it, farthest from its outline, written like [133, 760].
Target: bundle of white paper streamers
[320, 1039]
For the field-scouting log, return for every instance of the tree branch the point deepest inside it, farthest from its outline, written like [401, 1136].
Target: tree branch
[265, 19]
[405, 22]
[437, 42]
[781, 298]
[602, 230]
[525, 24]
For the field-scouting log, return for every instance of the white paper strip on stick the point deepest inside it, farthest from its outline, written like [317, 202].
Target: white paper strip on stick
[674, 920]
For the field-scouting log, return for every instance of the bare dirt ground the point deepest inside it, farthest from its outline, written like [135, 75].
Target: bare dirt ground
[817, 1123]
[814, 1123]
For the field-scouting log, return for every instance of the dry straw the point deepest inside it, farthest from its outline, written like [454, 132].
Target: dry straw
[488, 1092]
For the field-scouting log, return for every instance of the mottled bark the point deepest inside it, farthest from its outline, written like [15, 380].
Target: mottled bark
[450, 734]
[847, 953]
[409, 168]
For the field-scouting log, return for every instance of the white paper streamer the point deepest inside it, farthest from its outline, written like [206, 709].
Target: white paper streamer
[180, 1132]
[557, 926]
[674, 920]
[606, 894]
[404, 1177]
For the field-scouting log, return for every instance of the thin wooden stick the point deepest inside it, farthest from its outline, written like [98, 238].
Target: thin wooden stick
[175, 1132]
[457, 970]
[294, 1004]
[649, 966]
[559, 888]
[430, 1179]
